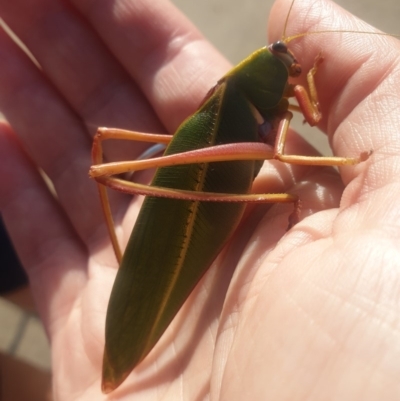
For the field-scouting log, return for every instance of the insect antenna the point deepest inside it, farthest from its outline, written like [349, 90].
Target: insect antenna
[300, 35]
[286, 22]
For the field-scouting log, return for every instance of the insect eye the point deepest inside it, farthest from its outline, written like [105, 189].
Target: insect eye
[297, 69]
[279, 47]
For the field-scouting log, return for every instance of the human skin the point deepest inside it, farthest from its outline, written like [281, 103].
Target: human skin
[309, 314]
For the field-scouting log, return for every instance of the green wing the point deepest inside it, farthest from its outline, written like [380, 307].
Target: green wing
[174, 241]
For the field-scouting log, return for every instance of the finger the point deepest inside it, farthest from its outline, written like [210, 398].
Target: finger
[53, 137]
[358, 99]
[47, 245]
[351, 80]
[80, 67]
[168, 58]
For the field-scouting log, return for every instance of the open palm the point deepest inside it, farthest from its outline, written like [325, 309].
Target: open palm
[295, 315]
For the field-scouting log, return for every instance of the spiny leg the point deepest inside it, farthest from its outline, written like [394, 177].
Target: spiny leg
[132, 188]
[309, 107]
[308, 101]
[218, 153]
[103, 134]
[104, 173]
[228, 152]
[308, 160]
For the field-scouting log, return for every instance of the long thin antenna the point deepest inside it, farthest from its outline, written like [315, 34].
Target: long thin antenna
[286, 22]
[300, 35]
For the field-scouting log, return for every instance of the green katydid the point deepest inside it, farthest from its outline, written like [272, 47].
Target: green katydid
[198, 195]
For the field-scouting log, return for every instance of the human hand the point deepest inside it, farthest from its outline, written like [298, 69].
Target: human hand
[313, 312]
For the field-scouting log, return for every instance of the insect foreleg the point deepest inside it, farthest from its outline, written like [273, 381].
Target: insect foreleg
[308, 101]
[308, 160]
[309, 107]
